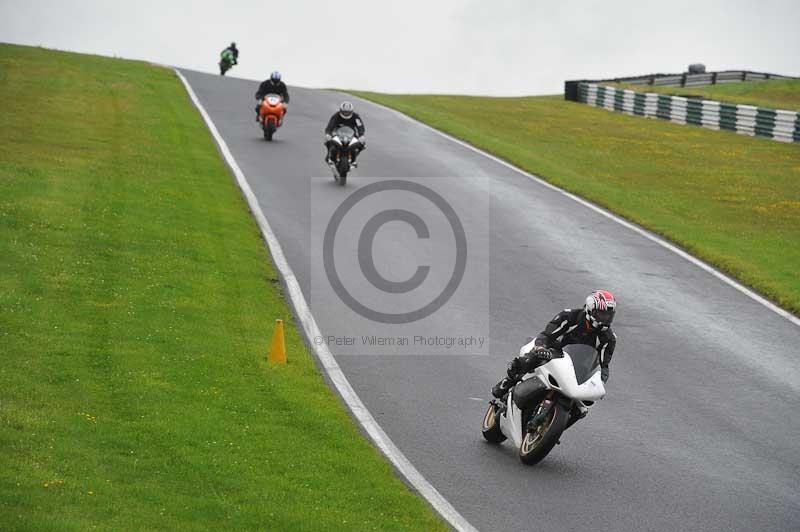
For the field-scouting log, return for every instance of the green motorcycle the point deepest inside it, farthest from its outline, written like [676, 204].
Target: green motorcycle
[226, 62]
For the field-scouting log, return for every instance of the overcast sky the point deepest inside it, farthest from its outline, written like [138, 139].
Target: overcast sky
[440, 46]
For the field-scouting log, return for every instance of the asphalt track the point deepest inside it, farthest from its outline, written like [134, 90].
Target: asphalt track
[700, 428]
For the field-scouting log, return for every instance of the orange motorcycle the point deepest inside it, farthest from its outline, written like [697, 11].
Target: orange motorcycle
[270, 114]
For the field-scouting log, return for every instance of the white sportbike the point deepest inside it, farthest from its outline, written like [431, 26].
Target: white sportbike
[546, 401]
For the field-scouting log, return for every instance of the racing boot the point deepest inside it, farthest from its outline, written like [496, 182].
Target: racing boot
[329, 151]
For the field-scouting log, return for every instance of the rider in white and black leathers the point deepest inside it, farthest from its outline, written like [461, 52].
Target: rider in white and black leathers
[345, 116]
[590, 325]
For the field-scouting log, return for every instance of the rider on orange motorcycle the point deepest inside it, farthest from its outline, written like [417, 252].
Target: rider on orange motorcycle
[273, 85]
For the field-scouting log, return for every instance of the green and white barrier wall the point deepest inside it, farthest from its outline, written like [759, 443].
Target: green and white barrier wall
[743, 119]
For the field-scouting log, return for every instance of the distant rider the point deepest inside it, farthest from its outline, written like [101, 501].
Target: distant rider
[273, 85]
[590, 325]
[234, 51]
[345, 116]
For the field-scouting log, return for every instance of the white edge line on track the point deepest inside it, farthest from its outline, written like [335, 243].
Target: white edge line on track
[335, 374]
[643, 232]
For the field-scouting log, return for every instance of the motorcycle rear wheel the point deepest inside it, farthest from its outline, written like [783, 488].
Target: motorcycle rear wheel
[537, 443]
[491, 426]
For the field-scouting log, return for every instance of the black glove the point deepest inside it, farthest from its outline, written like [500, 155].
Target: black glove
[512, 370]
[502, 387]
[542, 353]
[604, 373]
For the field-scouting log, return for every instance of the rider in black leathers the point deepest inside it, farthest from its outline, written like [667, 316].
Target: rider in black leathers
[345, 116]
[273, 85]
[590, 325]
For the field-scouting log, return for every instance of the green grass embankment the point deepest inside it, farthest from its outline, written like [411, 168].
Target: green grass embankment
[136, 306]
[774, 93]
[731, 200]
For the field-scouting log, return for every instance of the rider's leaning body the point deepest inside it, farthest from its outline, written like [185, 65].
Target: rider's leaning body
[589, 325]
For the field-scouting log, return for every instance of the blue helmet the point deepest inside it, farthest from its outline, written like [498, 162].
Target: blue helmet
[275, 76]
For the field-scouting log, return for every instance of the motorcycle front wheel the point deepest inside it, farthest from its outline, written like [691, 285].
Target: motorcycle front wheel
[491, 426]
[539, 441]
[269, 130]
[342, 167]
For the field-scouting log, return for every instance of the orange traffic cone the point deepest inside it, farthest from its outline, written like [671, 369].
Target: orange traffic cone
[277, 347]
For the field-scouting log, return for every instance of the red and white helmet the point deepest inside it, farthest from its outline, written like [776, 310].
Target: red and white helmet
[600, 309]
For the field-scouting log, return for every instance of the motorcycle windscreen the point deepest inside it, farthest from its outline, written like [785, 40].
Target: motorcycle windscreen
[345, 133]
[585, 360]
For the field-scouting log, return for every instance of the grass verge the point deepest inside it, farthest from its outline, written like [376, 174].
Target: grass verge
[732, 200]
[136, 303]
[774, 93]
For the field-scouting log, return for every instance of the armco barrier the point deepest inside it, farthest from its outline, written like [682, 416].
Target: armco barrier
[686, 79]
[743, 119]
[676, 80]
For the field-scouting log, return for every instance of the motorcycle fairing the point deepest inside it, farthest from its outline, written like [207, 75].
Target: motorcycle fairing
[559, 373]
[528, 393]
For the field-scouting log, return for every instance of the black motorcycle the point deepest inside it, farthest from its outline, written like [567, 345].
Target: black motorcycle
[346, 146]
